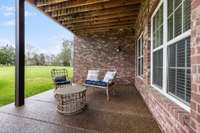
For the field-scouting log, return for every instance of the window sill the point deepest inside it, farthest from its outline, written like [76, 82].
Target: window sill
[171, 98]
[140, 77]
[171, 107]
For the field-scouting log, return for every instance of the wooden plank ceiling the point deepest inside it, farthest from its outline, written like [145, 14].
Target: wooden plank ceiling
[81, 16]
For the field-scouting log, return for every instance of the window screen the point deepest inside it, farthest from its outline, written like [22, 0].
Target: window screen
[186, 15]
[179, 79]
[140, 59]
[158, 67]
[178, 17]
[158, 41]
[158, 28]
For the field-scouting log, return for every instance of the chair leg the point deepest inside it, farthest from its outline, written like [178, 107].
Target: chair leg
[113, 91]
[107, 94]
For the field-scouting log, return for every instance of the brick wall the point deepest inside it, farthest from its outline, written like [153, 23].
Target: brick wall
[171, 117]
[195, 59]
[100, 51]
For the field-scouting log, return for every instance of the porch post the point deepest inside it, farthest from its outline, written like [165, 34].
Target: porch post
[19, 45]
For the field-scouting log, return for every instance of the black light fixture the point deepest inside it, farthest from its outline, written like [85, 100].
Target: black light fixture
[119, 49]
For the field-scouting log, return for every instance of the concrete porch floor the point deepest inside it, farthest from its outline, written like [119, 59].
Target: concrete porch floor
[125, 113]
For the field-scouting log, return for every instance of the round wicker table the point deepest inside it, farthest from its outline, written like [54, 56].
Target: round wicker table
[71, 99]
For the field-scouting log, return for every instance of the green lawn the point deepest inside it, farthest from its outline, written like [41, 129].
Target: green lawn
[38, 79]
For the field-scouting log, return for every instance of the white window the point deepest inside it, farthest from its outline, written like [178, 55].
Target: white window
[140, 59]
[158, 48]
[170, 50]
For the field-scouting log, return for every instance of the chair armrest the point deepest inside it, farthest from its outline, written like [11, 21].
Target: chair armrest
[110, 82]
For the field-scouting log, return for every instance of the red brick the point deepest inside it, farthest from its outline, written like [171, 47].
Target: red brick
[193, 124]
[196, 97]
[193, 105]
[194, 69]
[194, 88]
[195, 59]
[198, 50]
[198, 118]
[199, 109]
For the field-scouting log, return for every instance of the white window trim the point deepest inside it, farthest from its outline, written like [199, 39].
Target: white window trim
[166, 43]
[139, 57]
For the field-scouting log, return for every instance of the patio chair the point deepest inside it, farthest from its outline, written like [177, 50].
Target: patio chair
[60, 77]
[106, 83]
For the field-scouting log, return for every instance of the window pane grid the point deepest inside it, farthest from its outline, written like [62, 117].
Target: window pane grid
[158, 28]
[158, 67]
[140, 56]
[186, 15]
[170, 7]
[179, 80]
[178, 21]
[178, 17]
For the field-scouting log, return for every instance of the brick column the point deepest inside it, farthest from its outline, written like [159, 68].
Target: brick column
[195, 64]
[147, 51]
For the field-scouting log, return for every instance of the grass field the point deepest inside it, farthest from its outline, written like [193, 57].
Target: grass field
[37, 80]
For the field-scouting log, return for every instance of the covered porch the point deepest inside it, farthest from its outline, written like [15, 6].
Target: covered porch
[120, 34]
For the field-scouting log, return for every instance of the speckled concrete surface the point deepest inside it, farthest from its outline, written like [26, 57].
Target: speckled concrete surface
[125, 113]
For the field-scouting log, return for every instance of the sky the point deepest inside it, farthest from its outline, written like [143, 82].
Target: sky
[41, 33]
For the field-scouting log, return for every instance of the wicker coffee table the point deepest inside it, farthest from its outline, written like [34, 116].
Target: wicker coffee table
[71, 99]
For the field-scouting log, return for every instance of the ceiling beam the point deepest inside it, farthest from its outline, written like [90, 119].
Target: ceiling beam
[107, 5]
[73, 4]
[103, 17]
[99, 13]
[32, 1]
[103, 29]
[110, 25]
[40, 3]
[62, 3]
[103, 22]
[100, 18]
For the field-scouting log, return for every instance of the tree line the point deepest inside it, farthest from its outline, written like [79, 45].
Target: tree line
[64, 58]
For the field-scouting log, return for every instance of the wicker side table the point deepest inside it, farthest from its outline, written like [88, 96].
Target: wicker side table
[71, 99]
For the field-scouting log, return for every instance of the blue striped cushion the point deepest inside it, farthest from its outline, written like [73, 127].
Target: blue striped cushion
[101, 83]
[63, 82]
[90, 82]
[97, 83]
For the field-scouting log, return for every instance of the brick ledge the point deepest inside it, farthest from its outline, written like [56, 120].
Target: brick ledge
[168, 106]
[171, 107]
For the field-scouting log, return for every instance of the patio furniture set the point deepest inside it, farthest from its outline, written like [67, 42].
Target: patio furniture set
[71, 98]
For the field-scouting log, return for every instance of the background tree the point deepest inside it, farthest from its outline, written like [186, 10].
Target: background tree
[66, 53]
[7, 55]
[29, 54]
[42, 59]
[33, 57]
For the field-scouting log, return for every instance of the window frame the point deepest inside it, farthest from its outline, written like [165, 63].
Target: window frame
[140, 57]
[165, 45]
[152, 43]
[185, 68]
